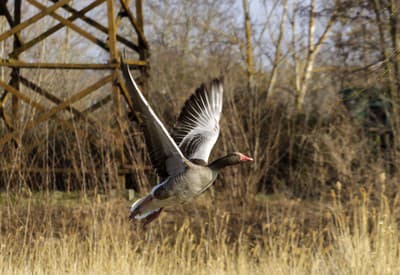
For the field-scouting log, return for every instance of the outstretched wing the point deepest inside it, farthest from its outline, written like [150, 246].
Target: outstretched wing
[197, 128]
[165, 155]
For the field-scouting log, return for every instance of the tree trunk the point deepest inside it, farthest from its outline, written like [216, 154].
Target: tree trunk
[277, 59]
[313, 49]
[389, 58]
[249, 47]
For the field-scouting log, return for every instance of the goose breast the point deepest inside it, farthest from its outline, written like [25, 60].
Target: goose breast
[186, 185]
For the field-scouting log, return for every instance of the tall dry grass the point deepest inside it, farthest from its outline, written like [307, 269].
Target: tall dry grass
[56, 234]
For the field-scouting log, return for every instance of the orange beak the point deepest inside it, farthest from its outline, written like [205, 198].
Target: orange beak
[245, 158]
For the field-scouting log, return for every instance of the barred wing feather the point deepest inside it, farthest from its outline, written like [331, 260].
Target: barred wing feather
[165, 155]
[197, 129]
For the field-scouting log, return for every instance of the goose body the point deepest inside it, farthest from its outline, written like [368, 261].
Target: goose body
[180, 160]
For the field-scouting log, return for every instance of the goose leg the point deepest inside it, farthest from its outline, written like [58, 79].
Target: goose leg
[151, 217]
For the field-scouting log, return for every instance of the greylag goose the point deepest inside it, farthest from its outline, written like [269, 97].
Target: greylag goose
[180, 161]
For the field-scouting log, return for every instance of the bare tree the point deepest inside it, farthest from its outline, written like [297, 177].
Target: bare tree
[249, 47]
[313, 48]
[278, 51]
[389, 51]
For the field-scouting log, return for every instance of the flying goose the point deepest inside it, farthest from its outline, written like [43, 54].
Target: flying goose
[182, 161]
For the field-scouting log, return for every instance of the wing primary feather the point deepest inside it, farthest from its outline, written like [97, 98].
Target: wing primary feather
[197, 128]
[164, 153]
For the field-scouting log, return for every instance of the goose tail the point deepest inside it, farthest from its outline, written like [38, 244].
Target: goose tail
[145, 208]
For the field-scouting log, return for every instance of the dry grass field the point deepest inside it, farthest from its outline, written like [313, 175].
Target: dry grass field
[57, 233]
[331, 208]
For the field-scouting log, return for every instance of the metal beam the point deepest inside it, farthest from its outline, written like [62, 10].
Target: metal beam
[3, 114]
[9, 18]
[13, 63]
[59, 170]
[15, 71]
[49, 113]
[97, 25]
[128, 98]
[57, 110]
[34, 87]
[72, 26]
[32, 20]
[27, 45]
[41, 108]
[98, 105]
[135, 23]
[143, 47]
[112, 33]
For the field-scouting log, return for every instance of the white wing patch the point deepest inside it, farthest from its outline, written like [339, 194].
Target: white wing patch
[198, 128]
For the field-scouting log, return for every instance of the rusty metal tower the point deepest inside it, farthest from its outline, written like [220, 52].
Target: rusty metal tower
[67, 16]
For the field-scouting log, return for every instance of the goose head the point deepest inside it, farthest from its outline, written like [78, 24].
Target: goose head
[229, 160]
